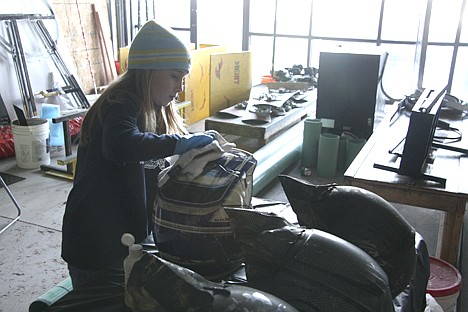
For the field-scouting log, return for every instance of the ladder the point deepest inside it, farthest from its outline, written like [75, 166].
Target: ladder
[14, 46]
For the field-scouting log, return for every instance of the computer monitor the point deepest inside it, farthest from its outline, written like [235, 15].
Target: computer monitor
[349, 95]
[414, 149]
[419, 138]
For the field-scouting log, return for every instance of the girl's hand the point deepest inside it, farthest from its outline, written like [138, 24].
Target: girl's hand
[191, 141]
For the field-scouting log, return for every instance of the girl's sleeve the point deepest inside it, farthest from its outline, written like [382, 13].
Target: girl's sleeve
[123, 141]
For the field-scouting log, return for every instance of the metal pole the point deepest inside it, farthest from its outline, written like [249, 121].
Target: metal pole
[67, 77]
[18, 208]
[246, 26]
[277, 156]
[19, 61]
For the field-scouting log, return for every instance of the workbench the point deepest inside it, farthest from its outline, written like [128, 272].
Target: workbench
[450, 165]
[252, 137]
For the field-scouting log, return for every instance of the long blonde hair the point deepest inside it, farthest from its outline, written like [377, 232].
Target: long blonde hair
[135, 84]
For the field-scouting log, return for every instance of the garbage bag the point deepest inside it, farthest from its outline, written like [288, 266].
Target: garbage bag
[158, 285]
[310, 269]
[360, 217]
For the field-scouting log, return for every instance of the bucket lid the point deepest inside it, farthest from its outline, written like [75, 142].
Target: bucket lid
[444, 280]
[36, 121]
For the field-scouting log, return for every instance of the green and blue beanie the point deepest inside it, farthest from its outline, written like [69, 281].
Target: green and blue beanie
[157, 47]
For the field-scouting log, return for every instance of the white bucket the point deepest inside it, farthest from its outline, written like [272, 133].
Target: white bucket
[444, 284]
[31, 143]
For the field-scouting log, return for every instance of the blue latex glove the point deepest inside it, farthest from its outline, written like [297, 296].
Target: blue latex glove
[191, 141]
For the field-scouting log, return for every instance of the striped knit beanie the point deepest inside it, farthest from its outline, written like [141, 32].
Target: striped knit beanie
[156, 47]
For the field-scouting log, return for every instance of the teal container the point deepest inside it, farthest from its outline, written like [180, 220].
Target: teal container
[327, 155]
[341, 160]
[312, 131]
[353, 147]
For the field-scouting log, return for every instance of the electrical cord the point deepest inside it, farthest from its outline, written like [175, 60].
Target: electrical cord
[454, 103]
[404, 106]
[381, 79]
[445, 126]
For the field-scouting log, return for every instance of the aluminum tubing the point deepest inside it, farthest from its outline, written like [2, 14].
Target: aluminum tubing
[277, 156]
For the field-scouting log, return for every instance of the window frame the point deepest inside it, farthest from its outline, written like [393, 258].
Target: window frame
[127, 31]
[423, 45]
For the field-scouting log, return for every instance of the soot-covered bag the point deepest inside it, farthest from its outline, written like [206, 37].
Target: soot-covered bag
[360, 217]
[158, 285]
[310, 269]
[192, 228]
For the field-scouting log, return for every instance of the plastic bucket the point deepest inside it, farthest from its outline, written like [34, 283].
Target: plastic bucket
[57, 140]
[31, 143]
[444, 284]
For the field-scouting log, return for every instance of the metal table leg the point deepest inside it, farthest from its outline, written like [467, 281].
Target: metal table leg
[18, 208]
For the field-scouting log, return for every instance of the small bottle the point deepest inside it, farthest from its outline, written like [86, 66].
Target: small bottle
[135, 252]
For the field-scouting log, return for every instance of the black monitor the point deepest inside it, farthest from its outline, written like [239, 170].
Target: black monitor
[349, 94]
[417, 143]
[421, 129]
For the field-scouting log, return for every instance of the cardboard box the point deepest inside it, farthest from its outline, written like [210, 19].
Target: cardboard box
[197, 84]
[123, 59]
[230, 79]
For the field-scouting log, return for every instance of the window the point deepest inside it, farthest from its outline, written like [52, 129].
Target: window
[282, 33]
[393, 26]
[220, 22]
[345, 19]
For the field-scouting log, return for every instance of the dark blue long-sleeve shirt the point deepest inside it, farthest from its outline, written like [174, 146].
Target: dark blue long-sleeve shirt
[109, 197]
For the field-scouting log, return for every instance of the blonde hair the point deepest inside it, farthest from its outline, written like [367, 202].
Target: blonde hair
[134, 84]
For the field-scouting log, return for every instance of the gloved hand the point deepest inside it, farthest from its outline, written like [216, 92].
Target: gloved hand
[191, 141]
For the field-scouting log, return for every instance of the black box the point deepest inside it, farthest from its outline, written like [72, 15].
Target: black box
[419, 138]
[349, 95]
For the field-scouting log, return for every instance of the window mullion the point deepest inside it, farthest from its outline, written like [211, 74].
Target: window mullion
[193, 23]
[379, 31]
[246, 26]
[274, 39]
[423, 45]
[456, 46]
[309, 39]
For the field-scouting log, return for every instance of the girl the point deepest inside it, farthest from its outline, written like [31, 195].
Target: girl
[133, 121]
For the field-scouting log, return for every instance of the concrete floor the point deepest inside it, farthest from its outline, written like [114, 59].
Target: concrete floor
[31, 264]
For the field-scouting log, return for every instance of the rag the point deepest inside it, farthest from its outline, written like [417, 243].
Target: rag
[191, 164]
